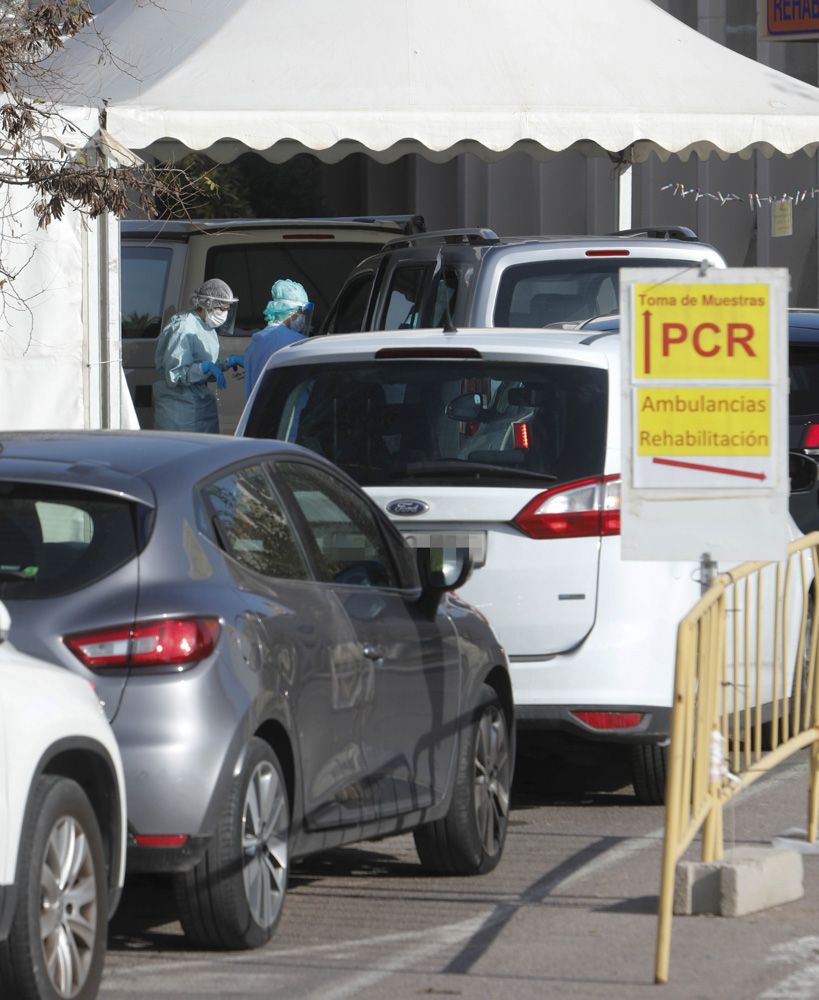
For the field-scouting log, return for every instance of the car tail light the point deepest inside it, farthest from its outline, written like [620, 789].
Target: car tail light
[582, 509]
[308, 236]
[385, 353]
[609, 720]
[521, 432]
[165, 642]
[810, 439]
[608, 253]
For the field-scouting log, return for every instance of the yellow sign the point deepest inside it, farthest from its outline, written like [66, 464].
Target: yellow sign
[699, 331]
[709, 421]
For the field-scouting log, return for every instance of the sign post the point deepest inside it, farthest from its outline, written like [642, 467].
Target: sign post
[704, 413]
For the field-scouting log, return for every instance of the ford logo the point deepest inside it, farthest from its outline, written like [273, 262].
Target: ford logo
[407, 508]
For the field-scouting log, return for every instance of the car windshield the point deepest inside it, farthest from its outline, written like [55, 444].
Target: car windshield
[54, 540]
[441, 421]
[556, 291]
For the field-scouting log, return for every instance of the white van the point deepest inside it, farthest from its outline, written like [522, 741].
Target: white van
[507, 443]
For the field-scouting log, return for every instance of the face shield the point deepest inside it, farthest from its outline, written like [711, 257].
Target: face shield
[228, 328]
[219, 304]
[301, 320]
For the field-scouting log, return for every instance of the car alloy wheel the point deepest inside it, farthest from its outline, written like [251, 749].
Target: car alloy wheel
[492, 779]
[264, 843]
[68, 906]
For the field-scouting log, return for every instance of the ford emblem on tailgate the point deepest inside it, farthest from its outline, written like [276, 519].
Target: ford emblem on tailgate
[407, 508]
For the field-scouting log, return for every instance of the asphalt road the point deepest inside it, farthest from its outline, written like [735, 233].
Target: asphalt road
[570, 912]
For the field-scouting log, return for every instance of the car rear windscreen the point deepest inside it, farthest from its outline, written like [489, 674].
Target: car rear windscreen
[444, 421]
[542, 292]
[55, 540]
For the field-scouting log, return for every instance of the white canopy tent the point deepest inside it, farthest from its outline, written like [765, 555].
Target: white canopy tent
[388, 78]
[619, 78]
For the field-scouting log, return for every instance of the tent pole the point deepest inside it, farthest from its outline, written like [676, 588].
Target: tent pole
[104, 352]
[623, 193]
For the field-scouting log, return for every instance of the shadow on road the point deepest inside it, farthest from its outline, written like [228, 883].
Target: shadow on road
[146, 919]
[554, 773]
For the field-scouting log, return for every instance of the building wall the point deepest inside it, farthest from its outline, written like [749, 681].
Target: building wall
[572, 194]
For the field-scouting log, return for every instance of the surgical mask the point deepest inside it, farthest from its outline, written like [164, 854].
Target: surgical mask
[298, 323]
[215, 317]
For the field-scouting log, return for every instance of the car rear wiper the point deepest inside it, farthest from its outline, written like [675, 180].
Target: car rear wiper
[463, 467]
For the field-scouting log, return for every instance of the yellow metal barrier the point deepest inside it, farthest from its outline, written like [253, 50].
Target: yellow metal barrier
[746, 697]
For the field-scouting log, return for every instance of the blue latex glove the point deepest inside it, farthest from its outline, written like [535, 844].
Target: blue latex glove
[234, 360]
[209, 368]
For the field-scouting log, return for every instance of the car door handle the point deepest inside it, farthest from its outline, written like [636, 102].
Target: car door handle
[372, 651]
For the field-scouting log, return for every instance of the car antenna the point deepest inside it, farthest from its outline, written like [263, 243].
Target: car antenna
[449, 325]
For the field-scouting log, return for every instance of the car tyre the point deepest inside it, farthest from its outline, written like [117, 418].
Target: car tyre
[469, 839]
[56, 946]
[648, 763]
[233, 898]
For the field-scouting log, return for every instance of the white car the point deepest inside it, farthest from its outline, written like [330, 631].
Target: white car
[62, 829]
[507, 442]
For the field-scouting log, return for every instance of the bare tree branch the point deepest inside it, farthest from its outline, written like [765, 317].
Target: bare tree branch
[43, 148]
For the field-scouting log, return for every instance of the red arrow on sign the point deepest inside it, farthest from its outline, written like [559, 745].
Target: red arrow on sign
[709, 468]
[647, 342]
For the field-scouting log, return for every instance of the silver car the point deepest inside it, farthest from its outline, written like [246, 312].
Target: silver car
[282, 672]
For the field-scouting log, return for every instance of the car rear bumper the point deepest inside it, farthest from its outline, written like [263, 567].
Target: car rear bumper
[165, 860]
[653, 727]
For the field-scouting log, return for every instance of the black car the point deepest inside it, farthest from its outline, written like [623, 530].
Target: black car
[281, 670]
[803, 339]
[803, 407]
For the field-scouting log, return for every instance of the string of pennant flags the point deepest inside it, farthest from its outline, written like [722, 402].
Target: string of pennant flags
[753, 199]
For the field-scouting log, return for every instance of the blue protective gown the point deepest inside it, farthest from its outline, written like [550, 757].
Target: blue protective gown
[262, 344]
[182, 400]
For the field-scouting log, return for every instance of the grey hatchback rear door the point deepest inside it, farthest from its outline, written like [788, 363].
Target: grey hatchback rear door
[411, 661]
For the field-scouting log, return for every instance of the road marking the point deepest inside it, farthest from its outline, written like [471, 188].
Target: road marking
[437, 939]
[422, 944]
[802, 984]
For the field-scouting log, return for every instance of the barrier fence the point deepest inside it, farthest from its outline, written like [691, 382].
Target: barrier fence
[746, 697]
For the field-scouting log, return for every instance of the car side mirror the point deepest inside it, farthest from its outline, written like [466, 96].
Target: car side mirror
[803, 471]
[468, 407]
[440, 571]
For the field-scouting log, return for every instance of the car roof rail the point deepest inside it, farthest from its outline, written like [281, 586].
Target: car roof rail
[467, 237]
[661, 233]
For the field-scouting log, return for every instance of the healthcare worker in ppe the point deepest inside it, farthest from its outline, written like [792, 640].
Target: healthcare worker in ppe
[187, 355]
[288, 315]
